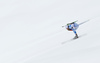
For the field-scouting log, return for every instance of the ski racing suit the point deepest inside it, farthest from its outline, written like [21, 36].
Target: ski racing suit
[72, 27]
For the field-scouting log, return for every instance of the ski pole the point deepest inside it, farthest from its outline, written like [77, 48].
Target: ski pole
[84, 21]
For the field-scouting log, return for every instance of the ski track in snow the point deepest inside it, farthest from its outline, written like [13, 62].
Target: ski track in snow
[31, 32]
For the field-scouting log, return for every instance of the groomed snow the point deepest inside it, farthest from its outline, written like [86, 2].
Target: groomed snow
[31, 31]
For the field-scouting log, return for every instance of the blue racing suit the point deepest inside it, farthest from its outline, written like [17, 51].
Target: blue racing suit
[72, 27]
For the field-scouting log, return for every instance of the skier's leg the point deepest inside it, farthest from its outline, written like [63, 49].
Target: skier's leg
[76, 35]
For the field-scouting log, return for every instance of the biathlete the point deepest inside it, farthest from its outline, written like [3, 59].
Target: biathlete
[72, 27]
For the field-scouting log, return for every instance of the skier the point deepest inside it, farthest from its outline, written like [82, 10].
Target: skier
[72, 27]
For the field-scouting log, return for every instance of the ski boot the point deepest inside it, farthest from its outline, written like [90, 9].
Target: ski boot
[75, 37]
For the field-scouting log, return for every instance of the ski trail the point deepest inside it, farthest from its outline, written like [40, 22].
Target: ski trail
[72, 39]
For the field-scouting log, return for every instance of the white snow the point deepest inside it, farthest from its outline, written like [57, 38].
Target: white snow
[31, 31]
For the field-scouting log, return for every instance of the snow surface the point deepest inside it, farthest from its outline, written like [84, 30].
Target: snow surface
[31, 31]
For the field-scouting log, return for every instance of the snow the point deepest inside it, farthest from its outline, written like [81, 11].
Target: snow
[31, 31]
